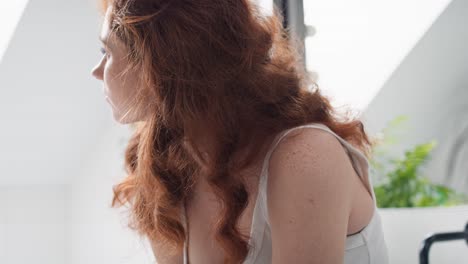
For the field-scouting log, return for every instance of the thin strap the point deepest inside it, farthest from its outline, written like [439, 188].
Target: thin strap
[277, 140]
[185, 224]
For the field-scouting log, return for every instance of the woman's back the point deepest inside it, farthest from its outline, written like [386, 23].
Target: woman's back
[365, 246]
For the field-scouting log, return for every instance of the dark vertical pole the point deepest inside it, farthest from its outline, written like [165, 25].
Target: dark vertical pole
[293, 13]
[285, 8]
[283, 5]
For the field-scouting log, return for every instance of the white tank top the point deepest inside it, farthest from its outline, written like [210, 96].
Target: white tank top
[365, 247]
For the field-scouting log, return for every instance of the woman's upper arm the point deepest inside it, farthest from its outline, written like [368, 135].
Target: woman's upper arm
[309, 198]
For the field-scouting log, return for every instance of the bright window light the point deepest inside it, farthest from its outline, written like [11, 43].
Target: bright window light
[358, 44]
[10, 14]
[266, 6]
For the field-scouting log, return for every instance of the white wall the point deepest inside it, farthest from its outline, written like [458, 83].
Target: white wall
[97, 233]
[32, 224]
[52, 109]
[406, 228]
[431, 87]
[58, 129]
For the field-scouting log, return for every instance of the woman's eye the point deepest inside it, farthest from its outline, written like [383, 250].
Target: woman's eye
[103, 51]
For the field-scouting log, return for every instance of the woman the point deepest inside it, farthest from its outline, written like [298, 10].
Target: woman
[233, 158]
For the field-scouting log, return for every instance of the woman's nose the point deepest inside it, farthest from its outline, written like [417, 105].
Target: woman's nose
[97, 72]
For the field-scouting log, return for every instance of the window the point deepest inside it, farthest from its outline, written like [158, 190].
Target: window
[352, 47]
[266, 5]
[10, 14]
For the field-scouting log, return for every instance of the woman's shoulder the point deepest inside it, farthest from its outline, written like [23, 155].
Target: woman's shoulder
[308, 186]
[308, 138]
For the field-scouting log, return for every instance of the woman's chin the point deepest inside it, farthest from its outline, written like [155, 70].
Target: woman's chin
[121, 120]
[125, 120]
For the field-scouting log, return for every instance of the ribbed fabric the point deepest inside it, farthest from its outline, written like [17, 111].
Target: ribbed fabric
[366, 247]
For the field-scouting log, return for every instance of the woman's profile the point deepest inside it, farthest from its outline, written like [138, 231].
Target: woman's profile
[233, 157]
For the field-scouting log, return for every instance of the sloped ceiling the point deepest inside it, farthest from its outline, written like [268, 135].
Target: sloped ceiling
[10, 14]
[52, 110]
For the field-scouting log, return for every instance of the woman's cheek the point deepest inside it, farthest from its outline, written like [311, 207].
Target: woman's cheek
[108, 76]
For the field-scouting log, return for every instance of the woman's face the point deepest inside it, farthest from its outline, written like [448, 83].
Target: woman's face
[119, 88]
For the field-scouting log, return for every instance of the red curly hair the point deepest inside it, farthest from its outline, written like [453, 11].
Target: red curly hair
[223, 62]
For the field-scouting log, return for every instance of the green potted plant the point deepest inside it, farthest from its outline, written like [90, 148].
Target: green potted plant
[401, 184]
[410, 205]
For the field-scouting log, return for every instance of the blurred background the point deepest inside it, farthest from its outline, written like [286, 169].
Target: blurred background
[401, 65]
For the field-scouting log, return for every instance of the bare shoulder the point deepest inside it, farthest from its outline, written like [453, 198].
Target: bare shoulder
[307, 145]
[309, 197]
[307, 155]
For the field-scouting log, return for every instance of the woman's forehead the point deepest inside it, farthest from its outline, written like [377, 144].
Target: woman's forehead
[106, 35]
[105, 28]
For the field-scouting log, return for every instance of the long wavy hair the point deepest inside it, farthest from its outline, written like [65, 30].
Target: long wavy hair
[228, 64]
